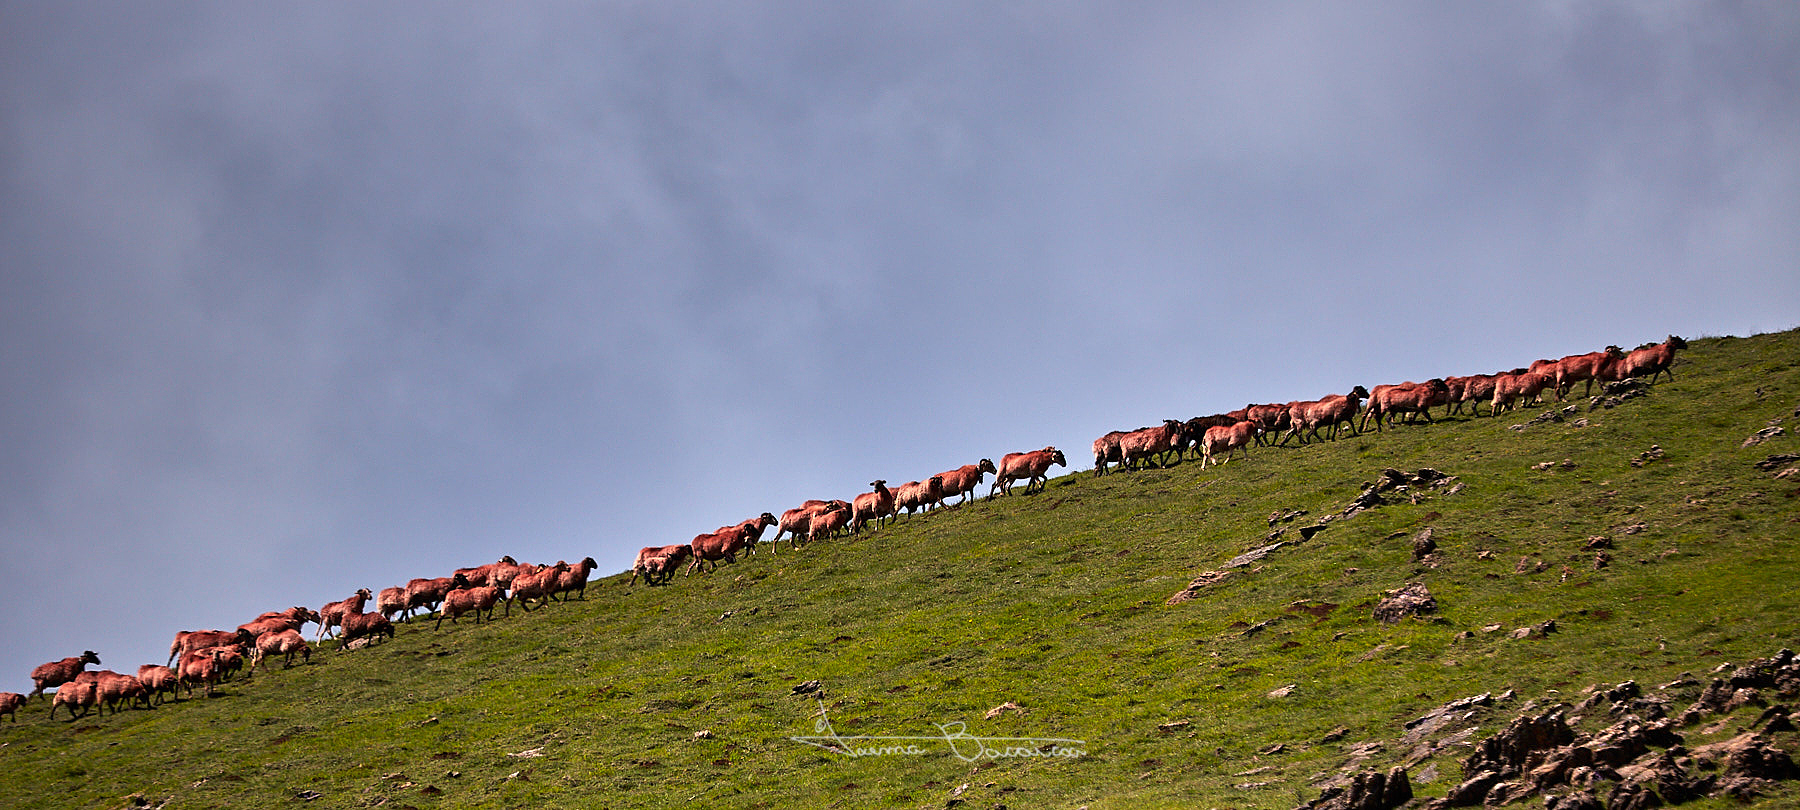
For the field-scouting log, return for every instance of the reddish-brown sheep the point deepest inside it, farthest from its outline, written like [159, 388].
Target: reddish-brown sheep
[829, 522]
[1032, 468]
[188, 641]
[963, 480]
[1271, 418]
[371, 626]
[291, 619]
[539, 584]
[428, 593]
[1472, 390]
[477, 600]
[723, 544]
[1654, 360]
[390, 602]
[1580, 368]
[201, 667]
[575, 579]
[160, 680]
[333, 613]
[1106, 450]
[657, 563]
[10, 704]
[872, 506]
[1408, 398]
[286, 644]
[113, 688]
[1522, 388]
[918, 495]
[1305, 418]
[753, 530]
[82, 693]
[1145, 444]
[796, 522]
[57, 673]
[1228, 439]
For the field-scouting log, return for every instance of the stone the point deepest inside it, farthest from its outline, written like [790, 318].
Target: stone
[1411, 600]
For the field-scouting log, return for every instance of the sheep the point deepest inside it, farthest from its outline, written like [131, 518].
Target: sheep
[1151, 442]
[575, 579]
[1030, 467]
[57, 673]
[371, 626]
[1654, 359]
[796, 522]
[187, 641]
[428, 592]
[200, 667]
[285, 644]
[1305, 418]
[333, 613]
[829, 522]
[1195, 428]
[504, 568]
[160, 680]
[10, 704]
[476, 599]
[390, 602]
[754, 530]
[114, 688]
[1272, 418]
[657, 563]
[872, 506]
[1228, 439]
[723, 544]
[1408, 398]
[1473, 390]
[1106, 450]
[963, 480]
[538, 584]
[918, 495]
[1522, 387]
[291, 619]
[1580, 368]
[80, 693]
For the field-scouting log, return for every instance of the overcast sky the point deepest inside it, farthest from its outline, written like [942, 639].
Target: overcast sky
[304, 298]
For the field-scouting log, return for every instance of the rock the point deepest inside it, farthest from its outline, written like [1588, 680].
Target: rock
[1008, 706]
[1423, 544]
[1411, 600]
[1536, 630]
[1579, 800]
[806, 688]
[1368, 790]
[1763, 435]
[1777, 461]
[1508, 750]
[1653, 454]
[1597, 542]
[1284, 691]
[1253, 555]
[1193, 588]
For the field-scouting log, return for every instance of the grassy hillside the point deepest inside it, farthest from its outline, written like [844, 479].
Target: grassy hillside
[1054, 602]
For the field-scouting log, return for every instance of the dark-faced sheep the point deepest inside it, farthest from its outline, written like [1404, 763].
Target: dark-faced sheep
[963, 480]
[333, 613]
[1107, 452]
[477, 600]
[796, 523]
[10, 704]
[1151, 443]
[575, 579]
[1653, 360]
[1522, 388]
[872, 507]
[709, 549]
[1032, 468]
[57, 673]
[537, 585]
[1582, 368]
[1408, 398]
[428, 593]
[753, 530]
[1305, 418]
[115, 688]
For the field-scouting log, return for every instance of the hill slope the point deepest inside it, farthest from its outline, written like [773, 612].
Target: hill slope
[1054, 602]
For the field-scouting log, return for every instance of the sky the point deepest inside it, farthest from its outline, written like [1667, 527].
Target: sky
[298, 299]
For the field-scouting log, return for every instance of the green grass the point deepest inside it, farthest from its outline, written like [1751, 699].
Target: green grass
[1054, 602]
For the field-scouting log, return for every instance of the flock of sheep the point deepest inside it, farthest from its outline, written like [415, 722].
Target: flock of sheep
[208, 656]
